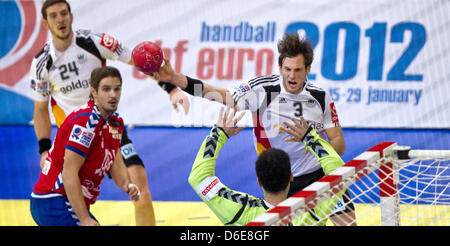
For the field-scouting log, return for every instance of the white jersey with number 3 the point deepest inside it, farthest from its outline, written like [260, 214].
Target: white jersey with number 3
[64, 77]
[271, 105]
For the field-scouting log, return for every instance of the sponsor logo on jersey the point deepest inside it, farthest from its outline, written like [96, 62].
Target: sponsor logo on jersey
[108, 160]
[41, 87]
[209, 187]
[128, 150]
[339, 205]
[315, 125]
[334, 116]
[81, 58]
[75, 86]
[81, 135]
[86, 186]
[109, 42]
[242, 88]
[114, 132]
[310, 103]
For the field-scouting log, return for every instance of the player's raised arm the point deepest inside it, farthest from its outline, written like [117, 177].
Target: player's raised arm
[205, 161]
[147, 57]
[194, 87]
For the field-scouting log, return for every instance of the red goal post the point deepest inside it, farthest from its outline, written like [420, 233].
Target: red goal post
[385, 158]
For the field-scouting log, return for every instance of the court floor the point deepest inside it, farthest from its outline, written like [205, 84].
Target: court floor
[121, 213]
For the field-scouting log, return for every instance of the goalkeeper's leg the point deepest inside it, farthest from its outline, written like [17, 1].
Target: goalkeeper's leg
[344, 212]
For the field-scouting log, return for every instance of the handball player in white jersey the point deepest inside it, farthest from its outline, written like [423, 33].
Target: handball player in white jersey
[60, 73]
[274, 100]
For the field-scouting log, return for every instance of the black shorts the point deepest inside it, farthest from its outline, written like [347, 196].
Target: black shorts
[301, 182]
[130, 156]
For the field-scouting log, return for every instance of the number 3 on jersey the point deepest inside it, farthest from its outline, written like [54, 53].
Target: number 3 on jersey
[69, 67]
[298, 109]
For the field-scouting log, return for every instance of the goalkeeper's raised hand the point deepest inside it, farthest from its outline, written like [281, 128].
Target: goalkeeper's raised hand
[228, 123]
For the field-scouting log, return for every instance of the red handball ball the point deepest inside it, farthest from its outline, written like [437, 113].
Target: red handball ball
[147, 57]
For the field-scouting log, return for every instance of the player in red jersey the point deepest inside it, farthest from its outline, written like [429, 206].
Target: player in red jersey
[85, 149]
[60, 77]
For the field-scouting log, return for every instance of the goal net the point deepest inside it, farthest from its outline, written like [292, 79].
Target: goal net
[389, 185]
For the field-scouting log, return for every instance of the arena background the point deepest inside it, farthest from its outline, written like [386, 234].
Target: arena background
[384, 62]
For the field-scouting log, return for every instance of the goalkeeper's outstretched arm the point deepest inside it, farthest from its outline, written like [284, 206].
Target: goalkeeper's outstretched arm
[329, 160]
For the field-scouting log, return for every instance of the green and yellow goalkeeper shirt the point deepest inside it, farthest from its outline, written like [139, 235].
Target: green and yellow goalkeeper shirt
[236, 208]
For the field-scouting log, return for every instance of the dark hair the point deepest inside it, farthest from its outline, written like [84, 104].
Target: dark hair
[273, 169]
[102, 72]
[49, 3]
[291, 45]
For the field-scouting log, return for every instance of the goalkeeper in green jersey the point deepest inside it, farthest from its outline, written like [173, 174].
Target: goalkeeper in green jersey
[273, 173]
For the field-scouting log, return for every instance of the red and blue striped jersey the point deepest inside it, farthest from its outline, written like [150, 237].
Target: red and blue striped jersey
[85, 132]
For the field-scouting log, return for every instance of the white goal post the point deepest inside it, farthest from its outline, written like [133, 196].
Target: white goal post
[389, 185]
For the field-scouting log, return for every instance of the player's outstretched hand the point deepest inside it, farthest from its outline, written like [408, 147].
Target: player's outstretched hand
[164, 73]
[297, 130]
[227, 121]
[179, 97]
[43, 157]
[133, 192]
